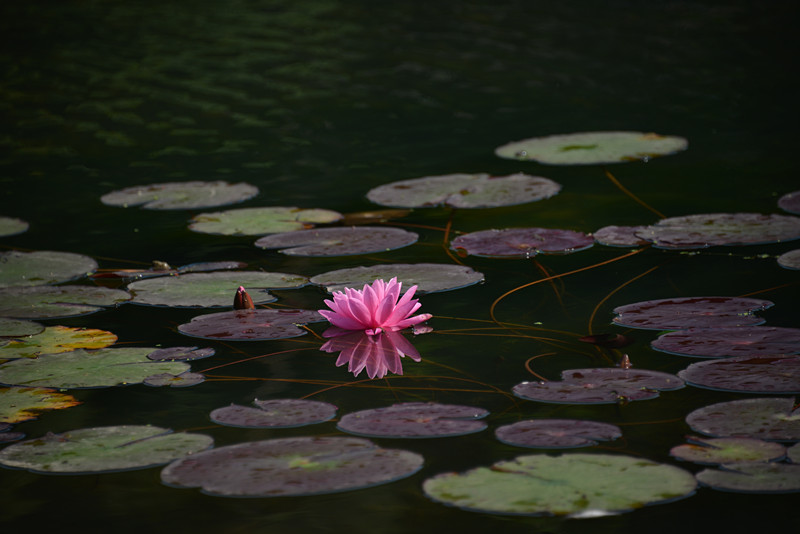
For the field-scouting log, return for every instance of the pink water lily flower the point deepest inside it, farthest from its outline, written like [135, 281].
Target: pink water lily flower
[375, 308]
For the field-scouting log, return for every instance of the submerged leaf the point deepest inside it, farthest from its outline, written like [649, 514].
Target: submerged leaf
[181, 195]
[678, 313]
[19, 404]
[762, 418]
[415, 420]
[747, 374]
[521, 242]
[339, 241]
[261, 221]
[428, 277]
[42, 267]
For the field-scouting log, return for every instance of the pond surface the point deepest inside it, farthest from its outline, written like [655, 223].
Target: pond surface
[316, 103]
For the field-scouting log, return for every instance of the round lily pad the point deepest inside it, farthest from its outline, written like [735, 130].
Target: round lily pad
[620, 236]
[772, 419]
[793, 453]
[19, 404]
[211, 290]
[103, 449]
[181, 195]
[42, 267]
[180, 354]
[415, 420]
[250, 325]
[599, 386]
[753, 477]
[181, 380]
[261, 221]
[678, 313]
[340, 241]
[10, 226]
[275, 413]
[567, 485]
[790, 260]
[588, 148]
[428, 277]
[790, 202]
[746, 374]
[50, 302]
[727, 450]
[464, 191]
[291, 467]
[521, 242]
[55, 339]
[556, 433]
[725, 341]
[19, 327]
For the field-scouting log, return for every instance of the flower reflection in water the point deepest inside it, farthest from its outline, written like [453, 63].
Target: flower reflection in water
[379, 353]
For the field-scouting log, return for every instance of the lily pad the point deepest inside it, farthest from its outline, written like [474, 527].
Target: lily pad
[620, 236]
[211, 290]
[50, 302]
[725, 341]
[275, 413]
[428, 277]
[19, 327]
[772, 419]
[250, 325]
[23, 404]
[521, 242]
[727, 450]
[291, 467]
[746, 374]
[42, 267]
[587, 148]
[790, 202]
[678, 313]
[464, 191]
[87, 369]
[182, 380]
[341, 241]
[556, 433]
[181, 195]
[567, 485]
[103, 449]
[180, 354]
[790, 260]
[753, 477]
[160, 268]
[599, 386]
[261, 221]
[415, 420]
[57, 339]
[793, 453]
[10, 226]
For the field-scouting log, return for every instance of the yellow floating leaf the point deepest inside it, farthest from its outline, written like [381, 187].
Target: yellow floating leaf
[55, 339]
[23, 404]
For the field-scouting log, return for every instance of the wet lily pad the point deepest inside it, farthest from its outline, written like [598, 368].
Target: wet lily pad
[620, 236]
[50, 302]
[181, 195]
[727, 450]
[521, 242]
[87, 369]
[567, 485]
[275, 413]
[10, 226]
[42, 267]
[726, 341]
[790, 260]
[599, 386]
[428, 277]
[746, 374]
[763, 418]
[556, 433]
[588, 148]
[55, 339]
[103, 449]
[19, 327]
[790, 202]
[291, 467]
[464, 191]
[181, 380]
[250, 325]
[341, 241]
[180, 354]
[753, 477]
[211, 290]
[19, 404]
[678, 313]
[261, 221]
[415, 420]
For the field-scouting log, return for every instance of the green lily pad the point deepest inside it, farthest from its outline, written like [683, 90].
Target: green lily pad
[727, 450]
[10, 226]
[339, 241]
[19, 327]
[762, 418]
[261, 221]
[181, 195]
[181, 380]
[87, 369]
[211, 290]
[753, 477]
[274, 413]
[57, 339]
[566, 485]
[42, 267]
[428, 277]
[103, 449]
[50, 302]
[793, 453]
[19, 404]
[464, 191]
[587, 148]
[180, 354]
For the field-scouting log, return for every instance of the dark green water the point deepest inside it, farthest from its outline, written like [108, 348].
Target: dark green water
[316, 102]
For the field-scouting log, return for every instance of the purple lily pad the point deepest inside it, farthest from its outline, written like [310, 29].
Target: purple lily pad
[275, 413]
[338, 241]
[181, 380]
[725, 341]
[620, 236]
[556, 433]
[753, 477]
[790, 260]
[746, 374]
[291, 467]
[415, 420]
[726, 450]
[793, 453]
[521, 242]
[180, 195]
[790, 202]
[773, 419]
[678, 313]
[599, 386]
[180, 354]
[250, 325]
[428, 277]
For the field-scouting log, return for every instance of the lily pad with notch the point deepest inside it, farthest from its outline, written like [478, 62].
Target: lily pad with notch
[338, 241]
[160, 268]
[181, 195]
[778, 374]
[521, 242]
[769, 418]
[686, 312]
[182, 380]
[275, 413]
[620, 236]
[51, 302]
[19, 328]
[180, 354]
[714, 451]
[261, 221]
[790, 202]
[12, 226]
[753, 477]
[790, 260]
[56, 339]
[250, 325]
[727, 341]
[556, 433]
[428, 277]
[415, 420]
[42, 267]
[18, 404]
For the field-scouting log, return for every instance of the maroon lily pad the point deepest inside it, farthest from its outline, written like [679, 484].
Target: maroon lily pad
[712, 451]
[790, 202]
[180, 354]
[725, 341]
[250, 325]
[746, 374]
[599, 386]
[415, 420]
[620, 236]
[753, 477]
[556, 433]
[774, 419]
[790, 260]
[678, 313]
[338, 241]
[521, 242]
[275, 413]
